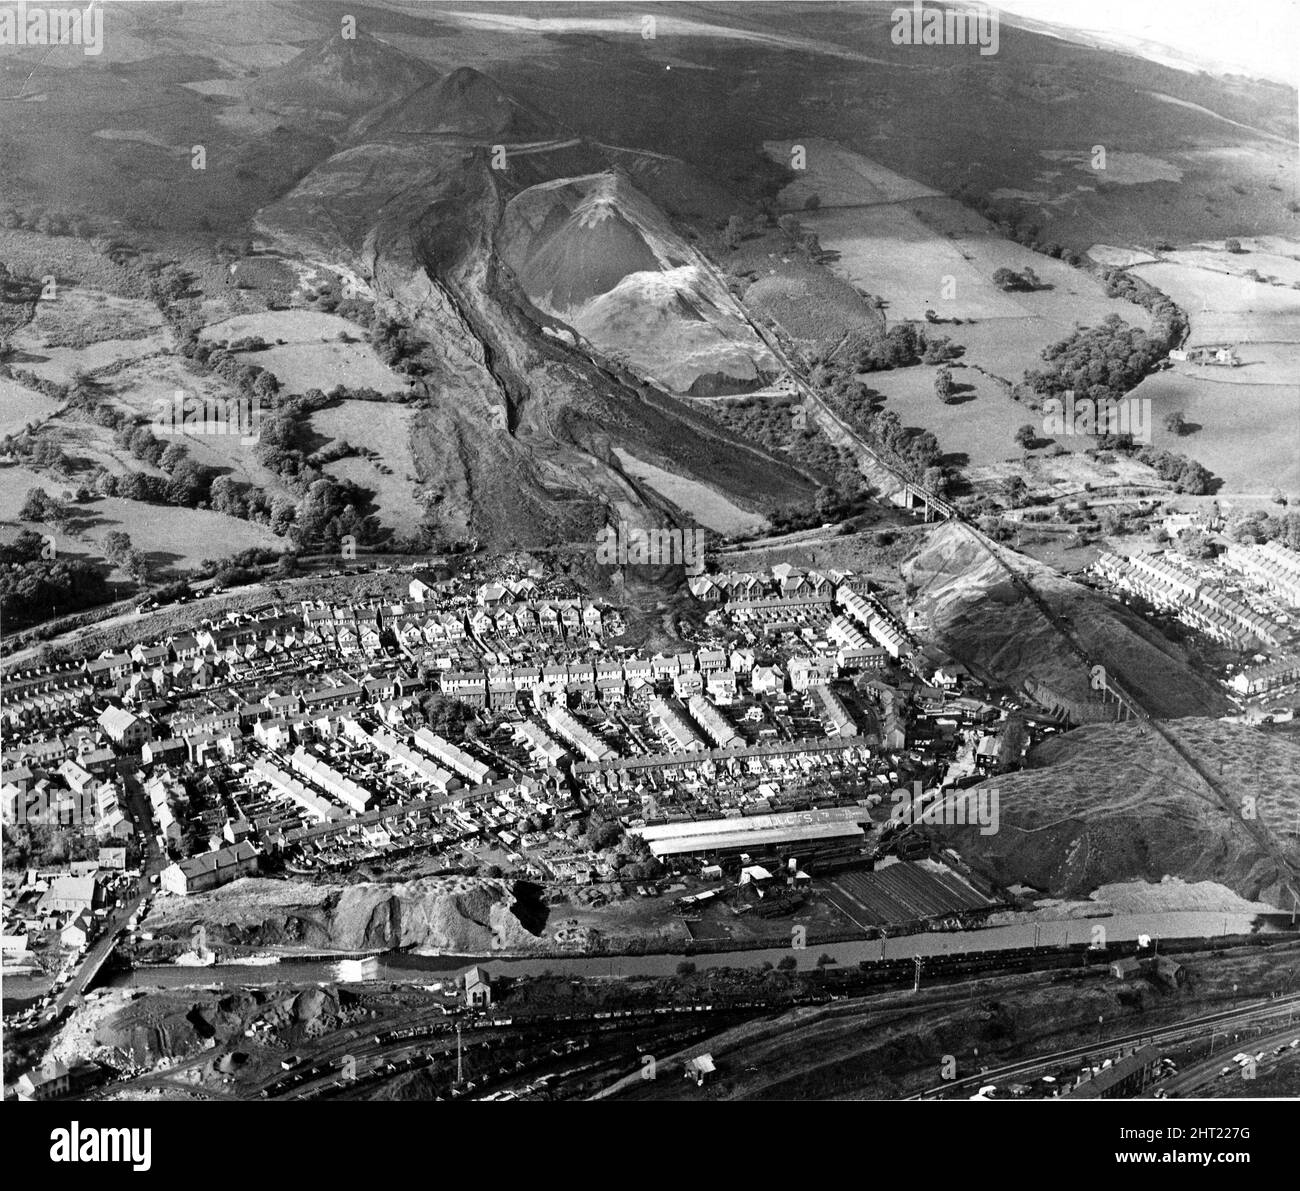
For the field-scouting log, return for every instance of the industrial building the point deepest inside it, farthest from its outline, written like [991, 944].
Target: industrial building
[816, 837]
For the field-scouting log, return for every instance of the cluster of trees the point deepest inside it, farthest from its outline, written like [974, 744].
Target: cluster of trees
[449, 718]
[48, 223]
[252, 380]
[1014, 223]
[913, 451]
[328, 508]
[1185, 474]
[875, 349]
[33, 587]
[243, 567]
[398, 346]
[1026, 281]
[187, 483]
[1258, 527]
[1102, 362]
[1168, 323]
[39, 506]
[17, 289]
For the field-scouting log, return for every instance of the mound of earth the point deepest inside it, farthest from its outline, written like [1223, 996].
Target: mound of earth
[341, 76]
[464, 104]
[1111, 803]
[811, 304]
[597, 253]
[460, 915]
[965, 602]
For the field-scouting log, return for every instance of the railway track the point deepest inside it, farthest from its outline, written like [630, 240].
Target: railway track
[876, 465]
[1180, 1031]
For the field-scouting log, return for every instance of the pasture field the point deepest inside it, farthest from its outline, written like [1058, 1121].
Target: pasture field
[60, 364]
[1119, 258]
[79, 315]
[1270, 256]
[172, 537]
[384, 429]
[1249, 434]
[93, 446]
[1224, 309]
[914, 255]
[311, 356]
[20, 405]
[980, 427]
[886, 250]
[88, 330]
[709, 508]
[840, 178]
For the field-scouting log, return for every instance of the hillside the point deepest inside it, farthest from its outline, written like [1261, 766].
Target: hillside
[340, 77]
[1110, 803]
[964, 601]
[597, 253]
[516, 444]
[466, 103]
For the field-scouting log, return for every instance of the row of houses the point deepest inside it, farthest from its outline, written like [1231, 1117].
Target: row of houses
[1275, 567]
[1258, 680]
[877, 620]
[1166, 584]
[784, 582]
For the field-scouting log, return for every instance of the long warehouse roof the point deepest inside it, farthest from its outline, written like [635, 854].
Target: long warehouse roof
[752, 839]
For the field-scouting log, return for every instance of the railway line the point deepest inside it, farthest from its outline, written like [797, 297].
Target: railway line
[876, 465]
[1190, 1029]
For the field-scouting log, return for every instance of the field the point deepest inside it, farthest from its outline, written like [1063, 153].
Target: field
[1260, 320]
[838, 177]
[980, 429]
[1248, 435]
[20, 405]
[1248, 425]
[386, 430]
[309, 350]
[934, 254]
[87, 330]
[708, 507]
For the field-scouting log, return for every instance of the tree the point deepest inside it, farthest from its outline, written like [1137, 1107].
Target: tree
[138, 566]
[787, 963]
[36, 505]
[1232, 244]
[812, 202]
[1026, 437]
[1014, 489]
[943, 386]
[117, 546]
[734, 232]
[1194, 479]
[1175, 423]
[173, 455]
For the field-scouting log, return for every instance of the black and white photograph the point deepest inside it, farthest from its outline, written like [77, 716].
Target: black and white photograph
[623, 552]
